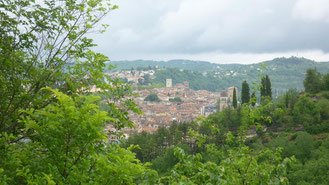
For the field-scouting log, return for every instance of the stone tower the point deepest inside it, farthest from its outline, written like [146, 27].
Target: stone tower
[169, 82]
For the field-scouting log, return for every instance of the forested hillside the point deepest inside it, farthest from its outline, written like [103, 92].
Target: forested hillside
[215, 77]
[200, 66]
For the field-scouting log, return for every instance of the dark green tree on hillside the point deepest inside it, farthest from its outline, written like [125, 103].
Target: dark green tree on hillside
[312, 82]
[253, 97]
[290, 98]
[326, 82]
[147, 79]
[152, 97]
[245, 92]
[235, 102]
[268, 88]
[263, 88]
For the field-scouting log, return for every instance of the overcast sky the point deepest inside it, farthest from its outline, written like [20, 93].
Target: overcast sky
[220, 31]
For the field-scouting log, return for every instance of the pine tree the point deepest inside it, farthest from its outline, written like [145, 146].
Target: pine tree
[245, 92]
[268, 88]
[235, 103]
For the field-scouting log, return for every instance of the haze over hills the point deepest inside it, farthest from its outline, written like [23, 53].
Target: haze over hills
[285, 73]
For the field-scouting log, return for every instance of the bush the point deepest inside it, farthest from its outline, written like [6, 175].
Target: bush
[152, 98]
[318, 128]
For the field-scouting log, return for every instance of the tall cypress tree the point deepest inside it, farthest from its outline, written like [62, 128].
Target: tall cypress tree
[235, 102]
[245, 92]
[263, 88]
[268, 88]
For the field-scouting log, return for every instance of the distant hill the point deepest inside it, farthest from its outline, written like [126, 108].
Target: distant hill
[179, 64]
[284, 73]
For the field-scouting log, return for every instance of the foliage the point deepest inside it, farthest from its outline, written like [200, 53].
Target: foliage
[305, 111]
[263, 87]
[269, 113]
[56, 136]
[253, 97]
[166, 161]
[279, 69]
[315, 82]
[268, 86]
[326, 82]
[235, 102]
[52, 130]
[145, 80]
[266, 89]
[216, 157]
[153, 145]
[315, 170]
[245, 92]
[66, 145]
[196, 80]
[46, 45]
[152, 86]
[312, 157]
[312, 82]
[152, 98]
[228, 118]
[289, 99]
[237, 165]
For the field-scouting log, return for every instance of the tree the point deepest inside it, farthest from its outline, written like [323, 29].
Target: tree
[253, 98]
[152, 98]
[235, 166]
[68, 145]
[306, 112]
[147, 79]
[140, 81]
[263, 87]
[235, 102]
[47, 45]
[312, 82]
[268, 88]
[245, 92]
[326, 82]
[289, 99]
[45, 134]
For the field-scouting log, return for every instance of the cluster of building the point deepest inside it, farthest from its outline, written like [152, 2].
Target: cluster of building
[156, 114]
[132, 76]
[193, 104]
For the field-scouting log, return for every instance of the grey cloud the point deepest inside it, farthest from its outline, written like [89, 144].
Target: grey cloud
[228, 26]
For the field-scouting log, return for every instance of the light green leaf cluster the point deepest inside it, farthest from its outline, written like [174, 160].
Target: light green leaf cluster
[46, 44]
[67, 145]
[233, 163]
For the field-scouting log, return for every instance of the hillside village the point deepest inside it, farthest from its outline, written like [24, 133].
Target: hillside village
[192, 104]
